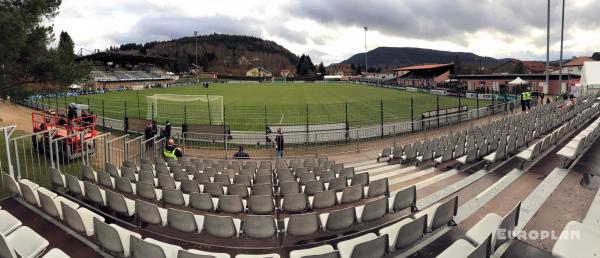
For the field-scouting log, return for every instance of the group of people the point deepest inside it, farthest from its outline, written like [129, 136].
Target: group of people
[152, 130]
[277, 141]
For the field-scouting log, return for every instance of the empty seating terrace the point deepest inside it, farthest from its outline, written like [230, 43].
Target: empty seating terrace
[447, 196]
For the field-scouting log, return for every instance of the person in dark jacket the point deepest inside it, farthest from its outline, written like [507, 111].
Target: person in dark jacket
[167, 131]
[241, 154]
[279, 144]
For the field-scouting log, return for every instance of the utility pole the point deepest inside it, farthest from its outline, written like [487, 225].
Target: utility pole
[548, 48]
[562, 31]
[366, 64]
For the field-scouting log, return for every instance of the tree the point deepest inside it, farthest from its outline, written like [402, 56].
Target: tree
[66, 71]
[322, 69]
[596, 56]
[519, 68]
[305, 66]
[25, 33]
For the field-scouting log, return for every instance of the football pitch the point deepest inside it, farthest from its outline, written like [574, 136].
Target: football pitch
[252, 106]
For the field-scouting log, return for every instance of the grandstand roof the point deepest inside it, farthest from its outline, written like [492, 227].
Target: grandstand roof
[422, 67]
[126, 58]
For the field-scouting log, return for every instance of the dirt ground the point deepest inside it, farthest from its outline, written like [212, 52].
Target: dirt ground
[12, 114]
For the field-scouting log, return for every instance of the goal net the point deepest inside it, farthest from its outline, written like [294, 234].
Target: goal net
[197, 109]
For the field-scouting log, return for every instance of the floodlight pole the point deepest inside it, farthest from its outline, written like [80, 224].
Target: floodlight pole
[548, 48]
[196, 36]
[562, 31]
[366, 64]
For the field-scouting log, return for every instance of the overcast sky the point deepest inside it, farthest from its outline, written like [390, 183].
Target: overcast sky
[332, 30]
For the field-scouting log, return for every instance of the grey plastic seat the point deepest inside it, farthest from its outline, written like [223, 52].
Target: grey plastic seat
[87, 173]
[104, 179]
[311, 187]
[202, 201]
[118, 203]
[222, 179]
[291, 187]
[112, 170]
[146, 190]
[211, 172]
[124, 185]
[146, 167]
[74, 185]
[180, 175]
[405, 232]
[201, 178]
[162, 171]
[318, 171]
[403, 199]
[260, 226]
[439, 214]
[191, 170]
[128, 173]
[30, 194]
[378, 188]
[214, 189]
[365, 246]
[285, 177]
[175, 197]
[113, 238]
[128, 164]
[242, 180]
[338, 219]
[247, 172]
[94, 193]
[235, 189]
[337, 168]
[50, 205]
[327, 176]
[324, 199]
[221, 226]
[302, 224]
[385, 153]
[190, 186]
[294, 203]
[168, 182]
[261, 204]
[372, 210]
[23, 242]
[361, 179]
[305, 177]
[352, 194]
[150, 213]
[58, 179]
[462, 248]
[185, 221]
[230, 204]
[263, 179]
[490, 224]
[148, 177]
[80, 220]
[152, 248]
[347, 172]
[337, 184]
[262, 189]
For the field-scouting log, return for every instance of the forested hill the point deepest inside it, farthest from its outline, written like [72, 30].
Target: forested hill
[225, 54]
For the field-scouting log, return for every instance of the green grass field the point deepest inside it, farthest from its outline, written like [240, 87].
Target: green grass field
[250, 106]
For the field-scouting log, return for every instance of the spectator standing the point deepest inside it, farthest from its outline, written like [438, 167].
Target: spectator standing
[167, 129]
[279, 143]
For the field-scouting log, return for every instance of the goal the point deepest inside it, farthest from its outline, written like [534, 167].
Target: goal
[200, 109]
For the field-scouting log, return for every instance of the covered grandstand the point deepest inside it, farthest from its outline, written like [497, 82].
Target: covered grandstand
[132, 71]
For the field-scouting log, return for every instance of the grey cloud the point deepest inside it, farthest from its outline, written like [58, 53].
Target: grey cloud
[448, 20]
[151, 28]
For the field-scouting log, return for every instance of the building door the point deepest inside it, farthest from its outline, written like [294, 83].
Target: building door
[563, 87]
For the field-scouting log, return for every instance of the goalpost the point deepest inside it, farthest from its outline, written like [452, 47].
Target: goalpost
[197, 108]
